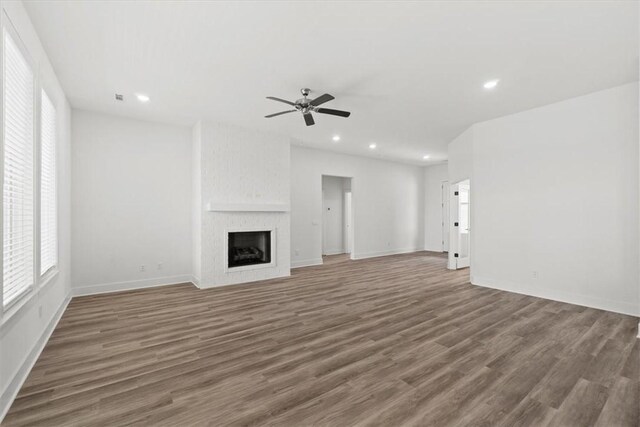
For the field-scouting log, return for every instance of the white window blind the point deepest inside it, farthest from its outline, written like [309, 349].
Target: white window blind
[48, 215]
[17, 189]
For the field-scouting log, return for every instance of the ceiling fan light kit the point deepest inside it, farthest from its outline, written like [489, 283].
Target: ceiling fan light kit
[307, 106]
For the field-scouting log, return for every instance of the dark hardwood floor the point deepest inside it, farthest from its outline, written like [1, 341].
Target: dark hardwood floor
[389, 341]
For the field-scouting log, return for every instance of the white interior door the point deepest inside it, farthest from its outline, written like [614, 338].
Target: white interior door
[324, 225]
[347, 222]
[445, 216]
[460, 227]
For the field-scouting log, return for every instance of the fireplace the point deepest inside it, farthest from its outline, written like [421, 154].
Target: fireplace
[249, 248]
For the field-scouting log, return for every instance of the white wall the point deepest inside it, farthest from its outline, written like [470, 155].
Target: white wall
[460, 157]
[555, 191]
[387, 204]
[434, 177]
[333, 215]
[24, 332]
[131, 203]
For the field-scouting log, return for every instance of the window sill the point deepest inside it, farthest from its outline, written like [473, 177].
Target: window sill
[16, 307]
[24, 300]
[48, 277]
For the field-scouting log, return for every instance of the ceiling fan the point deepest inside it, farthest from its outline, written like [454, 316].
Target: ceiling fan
[307, 106]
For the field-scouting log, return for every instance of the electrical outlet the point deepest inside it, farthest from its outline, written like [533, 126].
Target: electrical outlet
[296, 252]
[142, 268]
[534, 274]
[159, 266]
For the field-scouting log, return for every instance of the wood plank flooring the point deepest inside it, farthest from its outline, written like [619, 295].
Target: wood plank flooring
[397, 340]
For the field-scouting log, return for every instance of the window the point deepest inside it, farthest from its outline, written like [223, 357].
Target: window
[18, 183]
[48, 216]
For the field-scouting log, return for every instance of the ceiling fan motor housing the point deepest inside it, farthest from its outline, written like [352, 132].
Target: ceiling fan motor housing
[302, 104]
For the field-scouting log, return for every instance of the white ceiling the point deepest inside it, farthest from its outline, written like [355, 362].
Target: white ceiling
[410, 73]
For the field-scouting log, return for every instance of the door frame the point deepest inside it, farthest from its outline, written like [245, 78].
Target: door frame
[445, 201]
[348, 221]
[352, 222]
[455, 262]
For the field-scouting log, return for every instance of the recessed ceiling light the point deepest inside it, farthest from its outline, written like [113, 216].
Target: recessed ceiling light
[425, 157]
[142, 98]
[491, 84]
[372, 146]
[336, 138]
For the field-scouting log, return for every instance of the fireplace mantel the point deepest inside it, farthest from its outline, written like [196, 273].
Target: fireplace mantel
[247, 207]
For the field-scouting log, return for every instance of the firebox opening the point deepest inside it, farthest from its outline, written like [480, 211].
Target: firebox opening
[249, 248]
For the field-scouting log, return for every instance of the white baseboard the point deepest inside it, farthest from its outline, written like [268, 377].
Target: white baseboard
[554, 295]
[10, 393]
[242, 282]
[196, 281]
[385, 253]
[131, 285]
[334, 252]
[306, 263]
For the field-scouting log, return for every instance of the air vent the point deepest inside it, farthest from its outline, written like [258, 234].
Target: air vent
[119, 97]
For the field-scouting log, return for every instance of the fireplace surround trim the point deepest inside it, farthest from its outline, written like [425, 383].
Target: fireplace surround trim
[274, 248]
[247, 207]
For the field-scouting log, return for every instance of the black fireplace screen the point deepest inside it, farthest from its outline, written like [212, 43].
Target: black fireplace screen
[249, 247]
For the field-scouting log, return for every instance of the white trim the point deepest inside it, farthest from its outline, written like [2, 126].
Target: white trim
[352, 232]
[444, 197]
[628, 308]
[306, 263]
[16, 308]
[247, 207]
[105, 288]
[48, 276]
[385, 253]
[250, 282]
[10, 393]
[7, 24]
[334, 252]
[195, 280]
[454, 263]
[42, 92]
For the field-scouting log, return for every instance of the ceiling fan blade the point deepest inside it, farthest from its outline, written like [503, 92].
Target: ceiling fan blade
[281, 112]
[321, 99]
[273, 98]
[308, 119]
[333, 112]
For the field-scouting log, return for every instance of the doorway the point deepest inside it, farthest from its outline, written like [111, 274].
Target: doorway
[460, 227]
[337, 215]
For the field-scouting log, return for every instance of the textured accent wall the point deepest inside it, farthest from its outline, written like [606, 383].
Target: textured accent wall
[241, 166]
